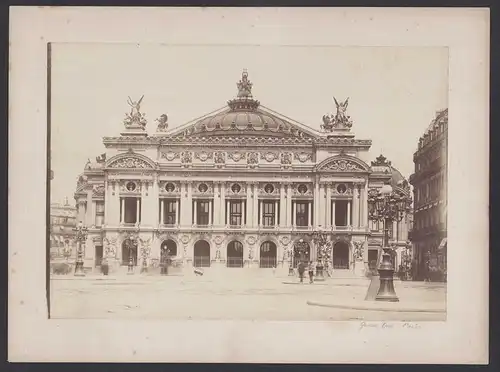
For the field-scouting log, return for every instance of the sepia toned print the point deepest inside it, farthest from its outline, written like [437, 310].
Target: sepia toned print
[245, 213]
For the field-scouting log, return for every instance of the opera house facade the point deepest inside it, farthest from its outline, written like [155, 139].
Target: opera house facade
[242, 187]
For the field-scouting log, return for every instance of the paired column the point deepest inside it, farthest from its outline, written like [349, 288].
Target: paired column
[309, 222]
[210, 202]
[294, 214]
[328, 207]
[321, 207]
[276, 205]
[122, 214]
[316, 203]
[106, 202]
[256, 215]
[283, 219]
[242, 213]
[228, 209]
[194, 219]
[248, 215]
[138, 211]
[222, 211]
[355, 206]
[289, 212]
[365, 206]
[349, 202]
[88, 217]
[177, 212]
[162, 212]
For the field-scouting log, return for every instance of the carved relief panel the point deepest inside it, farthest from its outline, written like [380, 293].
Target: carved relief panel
[203, 188]
[169, 188]
[269, 189]
[302, 189]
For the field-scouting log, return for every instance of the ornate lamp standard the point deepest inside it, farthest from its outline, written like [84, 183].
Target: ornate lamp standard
[387, 206]
[301, 247]
[324, 246]
[131, 243]
[80, 237]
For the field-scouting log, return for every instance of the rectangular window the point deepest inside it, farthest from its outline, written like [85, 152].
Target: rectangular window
[268, 213]
[235, 213]
[132, 210]
[202, 212]
[170, 212]
[340, 212]
[99, 213]
[302, 213]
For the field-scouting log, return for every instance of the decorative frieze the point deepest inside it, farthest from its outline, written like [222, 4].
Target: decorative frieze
[302, 156]
[129, 162]
[170, 155]
[203, 156]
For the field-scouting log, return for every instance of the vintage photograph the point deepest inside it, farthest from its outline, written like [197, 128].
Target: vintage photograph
[233, 183]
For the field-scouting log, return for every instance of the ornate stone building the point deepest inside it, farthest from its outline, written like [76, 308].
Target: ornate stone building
[62, 223]
[430, 200]
[240, 187]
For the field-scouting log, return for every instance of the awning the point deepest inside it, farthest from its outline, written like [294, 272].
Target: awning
[443, 243]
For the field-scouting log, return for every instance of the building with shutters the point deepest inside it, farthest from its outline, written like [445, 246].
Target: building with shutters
[239, 187]
[429, 181]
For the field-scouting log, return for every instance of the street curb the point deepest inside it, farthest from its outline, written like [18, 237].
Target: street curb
[375, 308]
[304, 283]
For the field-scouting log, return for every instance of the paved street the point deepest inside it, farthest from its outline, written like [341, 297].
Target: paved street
[236, 297]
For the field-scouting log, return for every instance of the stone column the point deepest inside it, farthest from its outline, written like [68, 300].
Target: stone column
[194, 219]
[162, 212]
[228, 212]
[294, 213]
[259, 220]
[154, 194]
[249, 209]
[365, 206]
[242, 212]
[321, 207]
[216, 203]
[316, 203]
[177, 212]
[328, 209]
[138, 211]
[106, 202]
[210, 202]
[88, 215]
[189, 206]
[122, 214]
[355, 207]
[276, 205]
[81, 211]
[309, 222]
[289, 212]
[332, 214]
[349, 202]
[256, 217]
[222, 210]
[283, 218]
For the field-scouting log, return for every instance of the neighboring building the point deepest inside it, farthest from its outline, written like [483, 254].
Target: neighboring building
[239, 187]
[62, 223]
[430, 200]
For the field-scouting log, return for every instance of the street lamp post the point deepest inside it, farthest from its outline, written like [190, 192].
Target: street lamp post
[387, 206]
[80, 236]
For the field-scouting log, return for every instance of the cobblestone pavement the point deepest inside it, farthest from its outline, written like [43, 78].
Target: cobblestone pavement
[228, 298]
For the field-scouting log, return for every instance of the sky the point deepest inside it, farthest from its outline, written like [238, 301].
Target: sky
[394, 92]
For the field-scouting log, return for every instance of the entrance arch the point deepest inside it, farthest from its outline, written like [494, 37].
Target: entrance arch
[234, 254]
[169, 247]
[301, 252]
[201, 254]
[129, 250]
[268, 254]
[341, 255]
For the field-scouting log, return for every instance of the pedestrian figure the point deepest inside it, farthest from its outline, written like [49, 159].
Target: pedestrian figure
[311, 272]
[302, 269]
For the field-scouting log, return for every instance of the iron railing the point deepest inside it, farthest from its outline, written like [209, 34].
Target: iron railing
[201, 261]
[267, 262]
[340, 263]
[234, 262]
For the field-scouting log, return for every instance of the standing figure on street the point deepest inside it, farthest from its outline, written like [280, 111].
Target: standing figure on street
[311, 272]
[301, 269]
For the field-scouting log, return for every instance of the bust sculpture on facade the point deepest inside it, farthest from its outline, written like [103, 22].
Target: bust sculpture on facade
[162, 123]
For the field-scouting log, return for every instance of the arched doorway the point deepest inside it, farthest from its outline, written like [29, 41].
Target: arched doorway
[201, 254]
[341, 255]
[301, 252]
[235, 254]
[129, 250]
[268, 255]
[169, 248]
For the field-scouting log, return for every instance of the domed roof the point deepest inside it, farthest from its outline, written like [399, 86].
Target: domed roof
[242, 120]
[382, 165]
[244, 116]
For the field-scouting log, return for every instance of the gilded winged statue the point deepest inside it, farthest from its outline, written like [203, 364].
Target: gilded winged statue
[135, 105]
[341, 110]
